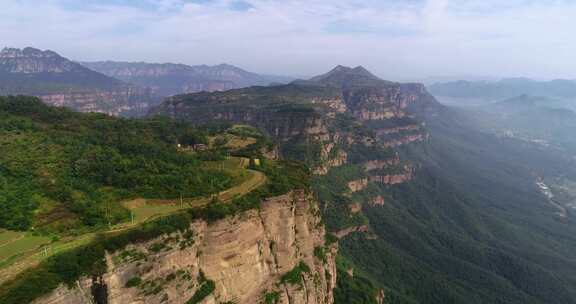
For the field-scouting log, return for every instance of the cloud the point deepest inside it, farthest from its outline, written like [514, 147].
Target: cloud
[395, 38]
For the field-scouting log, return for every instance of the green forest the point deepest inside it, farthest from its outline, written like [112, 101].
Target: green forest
[60, 169]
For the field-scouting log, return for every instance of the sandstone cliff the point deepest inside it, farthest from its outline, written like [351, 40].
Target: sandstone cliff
[277, 253]
[62, 82]
[121, 101]
[166, 79]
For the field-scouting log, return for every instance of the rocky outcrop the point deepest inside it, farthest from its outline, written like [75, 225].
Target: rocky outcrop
[355, 208]
[246, 257]
[330, 157]
[281, 124]
[378, 201]
[404, 140]
[381, 164]
[377, 115]
[123, 101]
[347, 231]
[380, 297]
[358, 185]
[399, 129]
[393, 178]
[336, 105]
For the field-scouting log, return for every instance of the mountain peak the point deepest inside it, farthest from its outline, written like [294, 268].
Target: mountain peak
[345, 76]
[28, 52]
[35, 66]
[32, 61]
[340, 68]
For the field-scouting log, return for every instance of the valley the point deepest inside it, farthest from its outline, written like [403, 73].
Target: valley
[344, 188]
[287, 152]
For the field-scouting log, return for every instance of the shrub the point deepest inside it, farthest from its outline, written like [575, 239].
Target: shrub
[133, 282]
[205, 290]
[294, 276]
[272, 297]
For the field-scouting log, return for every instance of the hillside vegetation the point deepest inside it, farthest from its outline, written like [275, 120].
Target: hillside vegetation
[60, 169]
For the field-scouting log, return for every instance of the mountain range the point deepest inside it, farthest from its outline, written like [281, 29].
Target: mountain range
[61, 82]
[116, 88]
[485, 91]
[428, 208]
[166, 79]
[341, 189]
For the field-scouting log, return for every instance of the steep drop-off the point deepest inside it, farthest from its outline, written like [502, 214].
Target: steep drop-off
[278, 253]
[427, 209]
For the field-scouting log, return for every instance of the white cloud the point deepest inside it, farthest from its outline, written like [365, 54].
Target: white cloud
[396, 39]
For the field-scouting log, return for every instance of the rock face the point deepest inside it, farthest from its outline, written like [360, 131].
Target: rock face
[358, 185]
[321, 120]
[61, 82]
[246, 257]
[391, 179]
[400, 175]
[124, 101]
[330, 157]
[378, 201]
[345, 232]
[168, 79]
[381, 163]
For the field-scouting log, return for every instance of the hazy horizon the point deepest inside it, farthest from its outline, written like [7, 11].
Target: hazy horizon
[397, 40]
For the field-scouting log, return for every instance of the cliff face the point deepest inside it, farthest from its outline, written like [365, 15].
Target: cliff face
[321, 119]
[122, 101]
[61, 82]
[274, 253]
[31, 61]
[168, 79]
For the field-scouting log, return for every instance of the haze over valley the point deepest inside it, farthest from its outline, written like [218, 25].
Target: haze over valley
[137, 167]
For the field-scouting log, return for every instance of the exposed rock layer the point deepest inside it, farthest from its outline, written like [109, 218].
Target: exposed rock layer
[61, 82]
[246, 257]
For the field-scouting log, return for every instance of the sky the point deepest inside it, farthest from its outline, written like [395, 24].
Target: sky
[395, 39]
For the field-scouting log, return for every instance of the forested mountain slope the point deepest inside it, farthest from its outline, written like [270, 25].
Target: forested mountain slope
[427, 208]
[62, 170]
[152, 211]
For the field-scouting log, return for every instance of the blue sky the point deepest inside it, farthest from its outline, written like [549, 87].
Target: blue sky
[398, 40]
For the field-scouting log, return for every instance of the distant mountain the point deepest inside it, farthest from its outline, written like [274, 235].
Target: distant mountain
[61, 82]
[348, 77]
[431, 210]
[166, 79]
[526, 101]
[535, 110]
[505, 88]
[281, 110]
[529, 118]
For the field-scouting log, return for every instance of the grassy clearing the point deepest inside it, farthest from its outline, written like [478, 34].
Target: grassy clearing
[7, 236]
[147, 211]
[154, 208]
[231, 141]
[16, 243]
[230, 164]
